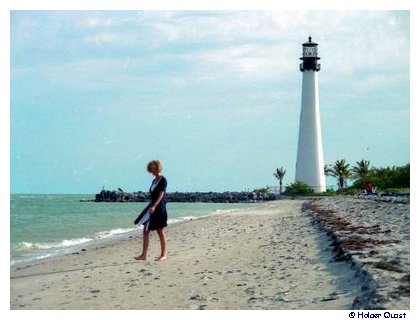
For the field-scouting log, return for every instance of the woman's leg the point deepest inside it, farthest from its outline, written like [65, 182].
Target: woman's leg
[146, 236]
[162, 237]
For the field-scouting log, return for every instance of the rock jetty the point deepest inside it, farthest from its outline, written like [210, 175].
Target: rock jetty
[225, 197]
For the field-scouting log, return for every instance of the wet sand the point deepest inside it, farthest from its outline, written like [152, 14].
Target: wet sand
[267, 257]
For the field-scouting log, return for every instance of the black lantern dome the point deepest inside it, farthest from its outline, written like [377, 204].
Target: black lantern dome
[310, 56]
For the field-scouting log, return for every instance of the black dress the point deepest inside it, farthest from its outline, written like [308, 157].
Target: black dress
[159, 218]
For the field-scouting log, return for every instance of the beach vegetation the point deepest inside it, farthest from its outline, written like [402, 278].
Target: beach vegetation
[279, 174]
[261, 191]
[387, 179]
[348, 191]
[361, 169]
[340, 170]
[298, 188]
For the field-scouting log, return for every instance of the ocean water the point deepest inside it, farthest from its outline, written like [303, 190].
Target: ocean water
[47, 225]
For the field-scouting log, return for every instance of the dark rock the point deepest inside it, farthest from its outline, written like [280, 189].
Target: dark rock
[230, 197]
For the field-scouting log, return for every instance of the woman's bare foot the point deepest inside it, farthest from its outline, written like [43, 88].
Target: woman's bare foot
[161, 258]
[140, 257]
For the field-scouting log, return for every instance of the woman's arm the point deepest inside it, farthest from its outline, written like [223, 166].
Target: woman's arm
[153, 206]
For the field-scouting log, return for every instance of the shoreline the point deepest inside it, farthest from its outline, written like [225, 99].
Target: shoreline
[267, 257]
[96, 244]
[99, 238]
[319, 253]
[374, 239]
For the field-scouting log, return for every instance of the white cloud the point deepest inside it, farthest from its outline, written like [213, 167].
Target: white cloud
[254, 60]
[112, 38]
[235, 45]
[260, 42]
[99, 22]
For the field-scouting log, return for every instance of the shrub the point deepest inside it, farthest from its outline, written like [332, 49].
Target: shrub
[298, 188]
[265, 190]
[329, 192]
[386, 178]
[350, 191]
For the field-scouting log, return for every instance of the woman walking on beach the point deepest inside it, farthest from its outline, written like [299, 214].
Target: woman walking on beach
[157, 211]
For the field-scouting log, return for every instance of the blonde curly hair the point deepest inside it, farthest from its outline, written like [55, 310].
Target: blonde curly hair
[156, 163]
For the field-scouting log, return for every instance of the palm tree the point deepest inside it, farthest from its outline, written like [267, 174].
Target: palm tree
[327, 170]
[279, 174]
[361, 169]
[340, 170]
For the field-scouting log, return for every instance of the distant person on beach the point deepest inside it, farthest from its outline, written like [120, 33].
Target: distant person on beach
[157, 211]
[369, 187]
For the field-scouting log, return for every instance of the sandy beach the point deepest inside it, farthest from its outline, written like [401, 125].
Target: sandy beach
[374, 239]
[268, 257]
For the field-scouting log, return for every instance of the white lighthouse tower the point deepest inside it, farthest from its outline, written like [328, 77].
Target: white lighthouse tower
[310, 156]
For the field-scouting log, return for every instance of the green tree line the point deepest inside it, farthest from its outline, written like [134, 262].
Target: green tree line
[352, 179]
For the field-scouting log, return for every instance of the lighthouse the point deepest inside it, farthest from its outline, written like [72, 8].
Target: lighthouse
[310, 156]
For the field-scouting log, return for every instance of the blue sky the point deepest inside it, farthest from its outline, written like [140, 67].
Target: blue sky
[214, 95]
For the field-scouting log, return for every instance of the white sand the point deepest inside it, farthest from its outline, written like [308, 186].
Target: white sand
[270, 257]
